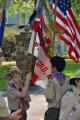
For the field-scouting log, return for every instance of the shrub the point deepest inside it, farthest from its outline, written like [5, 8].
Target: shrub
[8, 49]
[9, 46]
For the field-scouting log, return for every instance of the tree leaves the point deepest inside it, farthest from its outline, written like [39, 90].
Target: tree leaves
[22, 6]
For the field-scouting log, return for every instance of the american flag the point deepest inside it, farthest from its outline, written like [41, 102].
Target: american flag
[66, 22]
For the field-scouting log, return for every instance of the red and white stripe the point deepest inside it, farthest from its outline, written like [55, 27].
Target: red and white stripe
[71, 31]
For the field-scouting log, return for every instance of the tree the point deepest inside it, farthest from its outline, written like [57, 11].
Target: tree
[76, 7]
[21, 6]
[18, 6]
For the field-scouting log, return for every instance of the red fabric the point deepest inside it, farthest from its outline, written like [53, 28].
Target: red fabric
[35, 26]
[42, 65]
[34, 78]
[66, 22]
[49, 41]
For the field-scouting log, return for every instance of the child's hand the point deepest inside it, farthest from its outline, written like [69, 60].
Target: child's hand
[16, 115]
[28, 76]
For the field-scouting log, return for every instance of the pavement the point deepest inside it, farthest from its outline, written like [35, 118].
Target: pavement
[38, 104]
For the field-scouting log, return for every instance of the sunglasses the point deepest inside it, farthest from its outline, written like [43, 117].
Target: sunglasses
[1, 54]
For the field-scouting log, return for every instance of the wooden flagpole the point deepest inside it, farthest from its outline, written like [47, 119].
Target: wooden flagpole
[34, 41]
[33, 50]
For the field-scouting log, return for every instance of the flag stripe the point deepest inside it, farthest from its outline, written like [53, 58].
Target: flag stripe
[63, 28]
[66, 22]
[69, 43]
[74, 20]
[77, 35]
[62, 23]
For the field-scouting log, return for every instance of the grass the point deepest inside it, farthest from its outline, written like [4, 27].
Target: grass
[71, 68]
[3, 74]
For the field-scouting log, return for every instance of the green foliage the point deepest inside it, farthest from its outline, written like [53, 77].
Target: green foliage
[0, 1]
[76, 7]
[21, 6]
[9, 46]
[71, 67]
[3, 75]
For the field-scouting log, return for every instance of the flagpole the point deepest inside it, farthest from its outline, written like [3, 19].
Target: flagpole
[4, 4]
[33, 50]
[34, 39]
[54, 34]
[2, 9]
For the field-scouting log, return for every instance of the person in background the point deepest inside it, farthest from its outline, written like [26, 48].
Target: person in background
[4, 114]
[58, 84]
[16, 94]
[70, 104]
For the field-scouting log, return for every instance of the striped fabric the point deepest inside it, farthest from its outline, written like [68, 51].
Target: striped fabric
[66, 22]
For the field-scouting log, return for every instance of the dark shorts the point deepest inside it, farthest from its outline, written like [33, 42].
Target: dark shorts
[52, 114]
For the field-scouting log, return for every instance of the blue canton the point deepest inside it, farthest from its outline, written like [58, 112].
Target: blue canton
[63, 5]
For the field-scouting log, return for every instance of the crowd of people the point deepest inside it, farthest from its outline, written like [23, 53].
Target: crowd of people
[62, 94]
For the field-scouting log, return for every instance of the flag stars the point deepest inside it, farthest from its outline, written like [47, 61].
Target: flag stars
[63, 5]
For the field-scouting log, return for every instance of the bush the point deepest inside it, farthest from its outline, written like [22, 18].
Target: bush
[8, 49]
[9, 46]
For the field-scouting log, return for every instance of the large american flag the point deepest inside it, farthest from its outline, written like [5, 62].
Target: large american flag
[66, 22]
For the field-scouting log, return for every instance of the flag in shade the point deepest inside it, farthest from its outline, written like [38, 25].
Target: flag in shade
[2, 25]
[66, 22]
[42, 66]
[36, 44]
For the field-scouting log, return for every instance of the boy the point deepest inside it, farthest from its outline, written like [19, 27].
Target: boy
[70, 103]
[4, 115]
[56, 87]
[17, 95]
